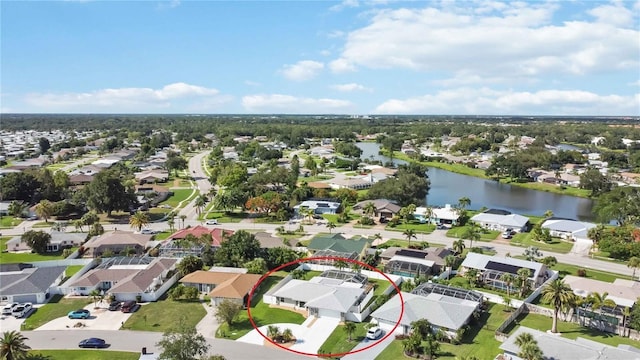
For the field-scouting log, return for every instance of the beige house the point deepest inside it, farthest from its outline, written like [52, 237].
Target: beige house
[222, 285]
[116, 241]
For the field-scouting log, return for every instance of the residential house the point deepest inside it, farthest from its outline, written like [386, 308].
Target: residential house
[623, 292]
[340, 244]
[223, 285]
[446, 215]
[413, 263]
[152, 176]
[383, 207]
[80, 179]
[25, 283]
[333, 294]
[269, 241]
[218, 235]
[559, 347]
[151, 193]
[497, 219]
[59, 240]
[128, 277]
[174, 247]
[568, 229]
[445, 307]
[353, 183]
[319, 207]
[116, 242]
[491, 268]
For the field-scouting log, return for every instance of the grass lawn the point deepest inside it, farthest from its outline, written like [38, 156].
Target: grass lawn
[82, 355]
[566, 269]
[43, 224]
[416, 226]
[178, 196]
[568, 190]
[165, 314]
[485, 235]
[456, 168]
[556, 244]
[163, 235]
[261, 313]
[227, 217]
[9, 222]
[479, 341]
[571, 330]
[70, 271]
[55, 308]
[8, 258]
[405, 243]
[338, 342]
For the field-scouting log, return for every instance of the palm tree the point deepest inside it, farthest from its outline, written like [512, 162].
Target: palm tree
[431, 347]
[287, 335]
[411, 344]
[626, 313]
[13, 346]
[449, 261]
[458, 246]
[44, 209]
[472, 233]
[508, 280]
[633, 263]
[356, 268]
[409, 234]
[524, 338]
[598, 301]
[523, 280]
[139, 220]
[369, 209]
[558, 294]
[349, 327]
[95, 296]
[183, 218]
[530, 351]
[464, 202]
[532, 253]
[428, 214]
[273, 332]
[340, 264]
[548, 214]
[331, 225]
[171, 222]
[200, 202]
[377, 236]
[298, 274]
[471, 275]
[78, 224]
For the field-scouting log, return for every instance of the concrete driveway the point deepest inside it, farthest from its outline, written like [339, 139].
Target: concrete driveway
[10, 323]
[101, 319]
[310, 335]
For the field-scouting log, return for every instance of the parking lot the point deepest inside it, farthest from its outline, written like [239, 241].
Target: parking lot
[101, 319]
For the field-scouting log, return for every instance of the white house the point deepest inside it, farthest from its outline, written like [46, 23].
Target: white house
[497, 219]
[567, 228]
[439, 215]
[491, 269]
[318, 206]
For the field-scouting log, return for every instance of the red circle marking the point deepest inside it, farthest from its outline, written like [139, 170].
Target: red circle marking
[299, 261]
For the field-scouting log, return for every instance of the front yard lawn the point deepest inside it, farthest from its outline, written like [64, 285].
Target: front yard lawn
[261, 313]
[55, 308]
[415, 225]
[485, 235]
[9, 222]
[11, 257]
[165, 314]
[227, 217]
[83, 355]
[571, 330]
[556, 244]
[405, 243]
[178, 196]
[338, 342]
[566, 269]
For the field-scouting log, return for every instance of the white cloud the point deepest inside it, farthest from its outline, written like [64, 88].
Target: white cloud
[302, 70]
[501, 42]
[351, 87]
[345, 4]
[252, 83]
[499, 102]
[287, 104]
[615, 14]
[125, 99]
[169, 4]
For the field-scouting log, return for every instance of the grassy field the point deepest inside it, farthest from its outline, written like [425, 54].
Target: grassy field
[43, 224]
[165, 234]
[164, 315]
[566, 269]
[556, 244]
[81, 355]
[571, 330]
[70, 271]
[479, 341]
[57, 307]
[405, 243]
[568, 190]
[224, 217]
[178, 196]
[416, 226]
[261, 313]
[8, 258]
[485, 235]
[338, 342]
[8, 222]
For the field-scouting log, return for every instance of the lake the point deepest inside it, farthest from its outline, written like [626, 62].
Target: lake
[447, 187]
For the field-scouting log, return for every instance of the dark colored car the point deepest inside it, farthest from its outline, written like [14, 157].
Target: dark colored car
[92, 343]
[79, 314]
[129, 306]
[115, 306]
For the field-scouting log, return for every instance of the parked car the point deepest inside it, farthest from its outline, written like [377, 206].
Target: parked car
[441, 227]
[148, 231]
[115, 306]
[79, 314]
[8, 309]
[22, 310]
[508, 234]
[212, 222]
[374, 333]
[92, 343]
[129, 306]
[383, 220]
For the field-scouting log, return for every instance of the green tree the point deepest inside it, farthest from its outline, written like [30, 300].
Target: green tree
[405, 188]
[189, 264]
[256, 266]
[175, 163]
[227, 311]
[331, 225]
[106, 193]
[183, 343]
[529, 349]
[472, 233]
[239, 248]
[449, 261]
[139, 220]
[369, 209]
[44, 145]
[273, 332]
[559, 295]
[44, 209]
[621, 204]
[549, 261]
[409, 234]
[633, 263]
[340, 264]
[464, 202]
[298, 274]
[522, 277]
[172, 223]
[200, 202]
[411, 345]
[508, 280]
[36, 240]
[13, 346]
[592, 179]
[458, 246]
[431, 347]
[531, 253]
[349, 328]
[472, 276]
[17, 208]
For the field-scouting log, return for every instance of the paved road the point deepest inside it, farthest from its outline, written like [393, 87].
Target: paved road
[371, 352]
[125, 340]
[201, 181]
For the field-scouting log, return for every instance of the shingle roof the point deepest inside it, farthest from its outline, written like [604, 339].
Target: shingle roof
[119, 237]
[199, 230]
[228, 285]
[337, 242]
[30, 280]
[319, 295]
[440, 310]
[480, 261]
[511, 220]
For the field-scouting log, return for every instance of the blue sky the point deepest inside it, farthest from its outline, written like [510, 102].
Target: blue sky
[300, 57]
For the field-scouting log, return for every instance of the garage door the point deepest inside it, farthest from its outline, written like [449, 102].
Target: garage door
[25, 298]
[328, 313]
